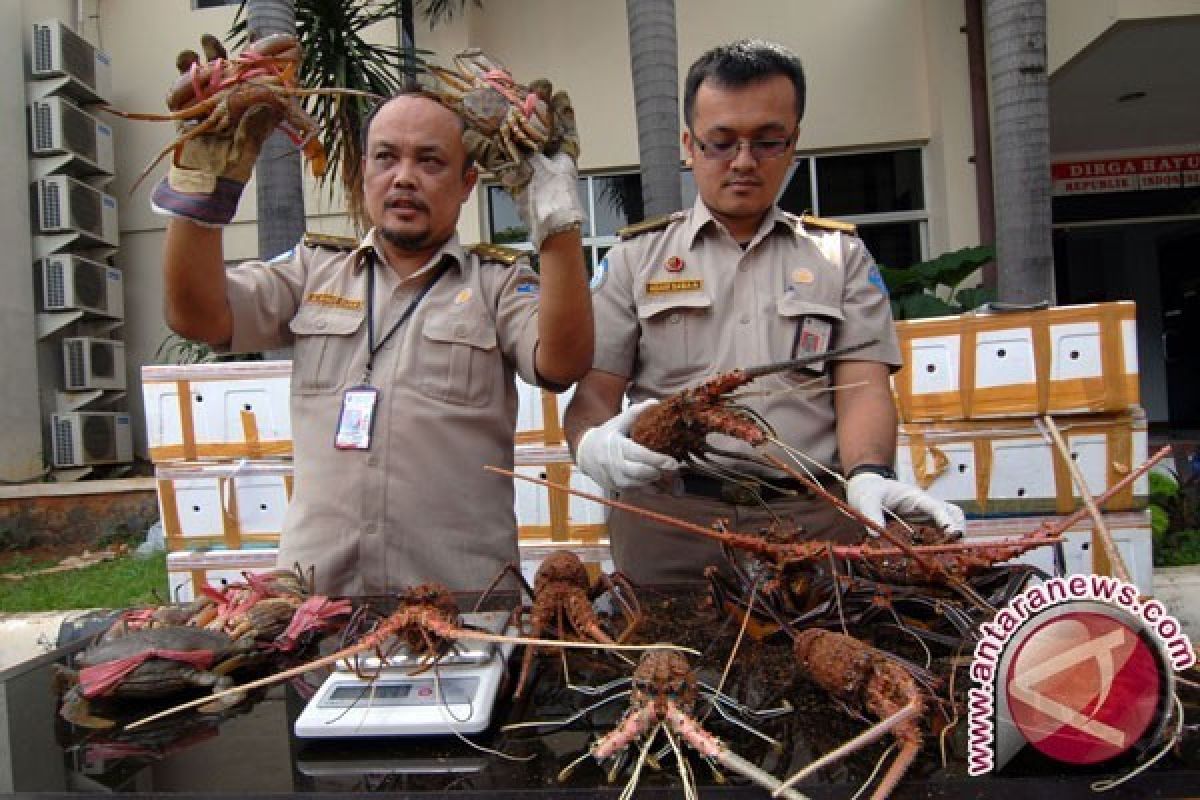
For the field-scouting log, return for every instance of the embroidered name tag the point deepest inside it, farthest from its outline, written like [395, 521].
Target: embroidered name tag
[333, 300]
[662, 287]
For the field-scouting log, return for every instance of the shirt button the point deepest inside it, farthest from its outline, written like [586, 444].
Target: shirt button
[372, 461]
[369, 528]
[745, 320]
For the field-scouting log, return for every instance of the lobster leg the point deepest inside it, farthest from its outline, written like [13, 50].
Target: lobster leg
[857, 743]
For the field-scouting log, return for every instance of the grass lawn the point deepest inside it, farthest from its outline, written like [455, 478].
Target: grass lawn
[121, 583]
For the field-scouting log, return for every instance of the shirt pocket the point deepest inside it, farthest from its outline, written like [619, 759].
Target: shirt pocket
[677, 340]
[325, 345]
[809, 326]
[458, 360]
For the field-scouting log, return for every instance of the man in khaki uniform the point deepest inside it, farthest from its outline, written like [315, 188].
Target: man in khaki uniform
[405, 347]
[737, 282]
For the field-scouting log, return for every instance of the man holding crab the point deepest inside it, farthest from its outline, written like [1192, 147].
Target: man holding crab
[737, 282]
[405, 345]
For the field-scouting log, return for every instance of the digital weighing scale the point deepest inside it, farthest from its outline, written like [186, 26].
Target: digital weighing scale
[454, 696]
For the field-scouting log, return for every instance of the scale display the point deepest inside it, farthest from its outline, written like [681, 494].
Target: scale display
[456, 696]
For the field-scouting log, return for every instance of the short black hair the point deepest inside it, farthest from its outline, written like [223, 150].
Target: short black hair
[739, 64]
[416, 92]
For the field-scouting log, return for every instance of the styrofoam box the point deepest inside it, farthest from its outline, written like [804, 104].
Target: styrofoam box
[220, 393]
[215, 567]
[532, 500]
[1130, 531]
[1022, 477]
[204, 496]
[1007, 377]
[218, 567]
[530, 416]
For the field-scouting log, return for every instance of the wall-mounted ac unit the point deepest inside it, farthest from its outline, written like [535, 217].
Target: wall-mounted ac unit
[83, 438]
[58, 127]
[58, 51]
[90, 363]
[64, 205]
[71, 283]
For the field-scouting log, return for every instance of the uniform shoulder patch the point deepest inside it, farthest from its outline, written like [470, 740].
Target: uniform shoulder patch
[496, 252]
[828, 224]
[649, 225]
[329, 241]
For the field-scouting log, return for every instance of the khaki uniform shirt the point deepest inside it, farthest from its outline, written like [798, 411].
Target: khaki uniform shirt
[417, 506]
[678, 304]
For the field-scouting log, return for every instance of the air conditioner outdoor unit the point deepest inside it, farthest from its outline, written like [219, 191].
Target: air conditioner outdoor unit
[58, 127]
[90, 363]
[64, 205]
[58, 51]
[71, 283]
[83, 438]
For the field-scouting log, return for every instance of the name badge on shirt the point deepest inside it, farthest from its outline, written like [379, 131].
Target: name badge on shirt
[356, 418]
[812, 338]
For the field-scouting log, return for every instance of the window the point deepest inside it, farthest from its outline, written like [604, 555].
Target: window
[610, 202]
[882, 192]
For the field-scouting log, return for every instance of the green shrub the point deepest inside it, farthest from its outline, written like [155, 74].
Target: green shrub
[1175, 519]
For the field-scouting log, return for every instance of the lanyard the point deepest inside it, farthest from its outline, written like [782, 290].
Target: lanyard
[372, 347]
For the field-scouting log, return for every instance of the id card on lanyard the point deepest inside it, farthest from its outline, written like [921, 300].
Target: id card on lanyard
[357, 417]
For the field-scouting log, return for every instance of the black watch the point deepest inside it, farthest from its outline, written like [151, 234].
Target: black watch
[878, 469]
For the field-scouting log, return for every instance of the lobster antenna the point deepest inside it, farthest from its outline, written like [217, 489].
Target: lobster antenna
[796, 363]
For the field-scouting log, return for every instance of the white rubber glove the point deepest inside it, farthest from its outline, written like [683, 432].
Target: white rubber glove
[608, 456]
[870, 494]
[549, 203]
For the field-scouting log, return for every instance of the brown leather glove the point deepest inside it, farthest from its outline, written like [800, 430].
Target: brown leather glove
[211, 168]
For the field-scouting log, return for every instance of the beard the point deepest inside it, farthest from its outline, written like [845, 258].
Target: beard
[409, 242]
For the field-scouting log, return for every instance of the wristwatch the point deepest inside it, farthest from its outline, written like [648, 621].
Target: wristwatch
[878, 469]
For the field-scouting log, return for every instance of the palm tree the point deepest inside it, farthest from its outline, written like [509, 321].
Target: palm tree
[280, 188]
[654, 55]
[1016, 31]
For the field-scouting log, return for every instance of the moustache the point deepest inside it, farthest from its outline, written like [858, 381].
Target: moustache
[405, 200]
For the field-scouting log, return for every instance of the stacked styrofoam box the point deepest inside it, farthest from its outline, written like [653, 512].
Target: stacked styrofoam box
[1130, 531]
[233, 410]
[220, 437]
[1010, 466]
[550, 519]
[972, 396]
[188, 570]
[1063, 360]
[225, 505]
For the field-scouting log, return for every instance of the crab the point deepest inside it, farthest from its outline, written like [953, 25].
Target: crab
[505, 120]
[149, 664]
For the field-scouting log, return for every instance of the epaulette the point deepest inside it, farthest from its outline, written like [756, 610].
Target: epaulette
[330, 241]
[648, 225]
[829, 224]
[495, 252]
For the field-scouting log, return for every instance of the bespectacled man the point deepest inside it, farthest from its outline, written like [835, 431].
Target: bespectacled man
[735, 282]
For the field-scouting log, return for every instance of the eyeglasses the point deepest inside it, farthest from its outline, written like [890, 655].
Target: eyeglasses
[760, 149]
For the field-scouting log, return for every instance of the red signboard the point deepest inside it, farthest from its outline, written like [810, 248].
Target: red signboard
[1127, 173]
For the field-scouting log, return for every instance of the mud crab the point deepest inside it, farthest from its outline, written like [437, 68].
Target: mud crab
[214, 96]
[504, 119]
[154, 663]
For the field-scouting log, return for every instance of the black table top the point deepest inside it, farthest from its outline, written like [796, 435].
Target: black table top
[252, 751]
